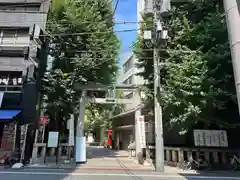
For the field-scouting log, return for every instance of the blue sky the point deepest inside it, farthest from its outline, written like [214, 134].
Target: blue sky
[126, 11]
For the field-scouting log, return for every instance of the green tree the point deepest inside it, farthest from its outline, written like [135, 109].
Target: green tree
[197, 76]
[99, 116]
[84, 49]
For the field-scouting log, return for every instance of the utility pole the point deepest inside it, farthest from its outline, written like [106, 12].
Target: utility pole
[159, 145]
[233, 23]
[160, 11]
[80, 137]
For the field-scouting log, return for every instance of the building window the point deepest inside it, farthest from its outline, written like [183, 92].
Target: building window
[129, 96]
[9, 36]
[128, 65]
[129, 80]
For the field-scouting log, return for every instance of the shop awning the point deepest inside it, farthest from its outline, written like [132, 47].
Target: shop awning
[8, 114]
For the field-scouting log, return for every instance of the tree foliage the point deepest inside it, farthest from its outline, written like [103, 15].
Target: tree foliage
[197, 76]
[99, 116]
[84, 48]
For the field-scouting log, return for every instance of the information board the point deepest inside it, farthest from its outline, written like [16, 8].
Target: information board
[53, 139]
[210, 138]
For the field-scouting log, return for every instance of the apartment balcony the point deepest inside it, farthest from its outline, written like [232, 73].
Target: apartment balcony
[14, 45]
[11, 81]
[17, 1]
[12, 64]
[126, 74]
[22, 19]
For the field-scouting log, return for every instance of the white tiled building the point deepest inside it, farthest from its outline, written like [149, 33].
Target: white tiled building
[128, 76]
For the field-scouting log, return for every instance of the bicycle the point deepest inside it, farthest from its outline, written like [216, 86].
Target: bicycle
[8, 160]
[195, 164]
[234, 162]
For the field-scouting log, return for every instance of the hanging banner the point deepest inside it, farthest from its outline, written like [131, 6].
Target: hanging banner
[1, 98]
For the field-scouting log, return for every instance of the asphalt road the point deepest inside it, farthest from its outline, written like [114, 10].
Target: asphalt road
[61, 174]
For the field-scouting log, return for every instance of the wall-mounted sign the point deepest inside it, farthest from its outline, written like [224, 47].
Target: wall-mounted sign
[210, 138]
[43, 120]
[53, 139]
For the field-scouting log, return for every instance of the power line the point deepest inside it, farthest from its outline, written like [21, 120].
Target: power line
[83, 33]
[92, 51]
[86, 33]
[88, 22]
[116, 6]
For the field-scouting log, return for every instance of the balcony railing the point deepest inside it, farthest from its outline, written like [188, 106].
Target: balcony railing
[22, 19]
[14, 41]
[11, 84]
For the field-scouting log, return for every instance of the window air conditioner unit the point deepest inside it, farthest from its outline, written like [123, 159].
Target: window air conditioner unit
[37, 35]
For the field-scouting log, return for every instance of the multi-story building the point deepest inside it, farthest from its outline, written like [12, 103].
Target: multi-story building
[125, 122]
[129, 76]
[21, 55]
[18, 52]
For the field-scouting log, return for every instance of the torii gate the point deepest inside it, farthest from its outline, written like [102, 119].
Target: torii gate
[80, 138]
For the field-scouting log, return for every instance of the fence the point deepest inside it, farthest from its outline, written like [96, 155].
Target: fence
[41, 153]
[175, 156]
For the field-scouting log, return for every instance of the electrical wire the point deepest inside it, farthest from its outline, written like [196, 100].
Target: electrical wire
[126, 22]
[116, 6]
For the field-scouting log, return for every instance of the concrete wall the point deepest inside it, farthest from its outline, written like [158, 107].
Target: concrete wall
[136, 100]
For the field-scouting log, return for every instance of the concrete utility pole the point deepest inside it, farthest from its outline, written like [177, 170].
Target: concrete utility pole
[232, 10]
[160, 9]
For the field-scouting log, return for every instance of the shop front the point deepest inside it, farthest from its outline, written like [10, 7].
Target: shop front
[8, 129]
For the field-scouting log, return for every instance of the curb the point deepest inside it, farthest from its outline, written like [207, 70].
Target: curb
[92, 168]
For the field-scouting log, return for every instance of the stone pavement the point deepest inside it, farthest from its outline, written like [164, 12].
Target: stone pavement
[99, 158]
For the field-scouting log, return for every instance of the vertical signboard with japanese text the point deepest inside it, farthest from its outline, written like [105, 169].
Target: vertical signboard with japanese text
[141, 130]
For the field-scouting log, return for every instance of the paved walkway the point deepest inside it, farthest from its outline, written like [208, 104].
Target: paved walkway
[99, 158]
